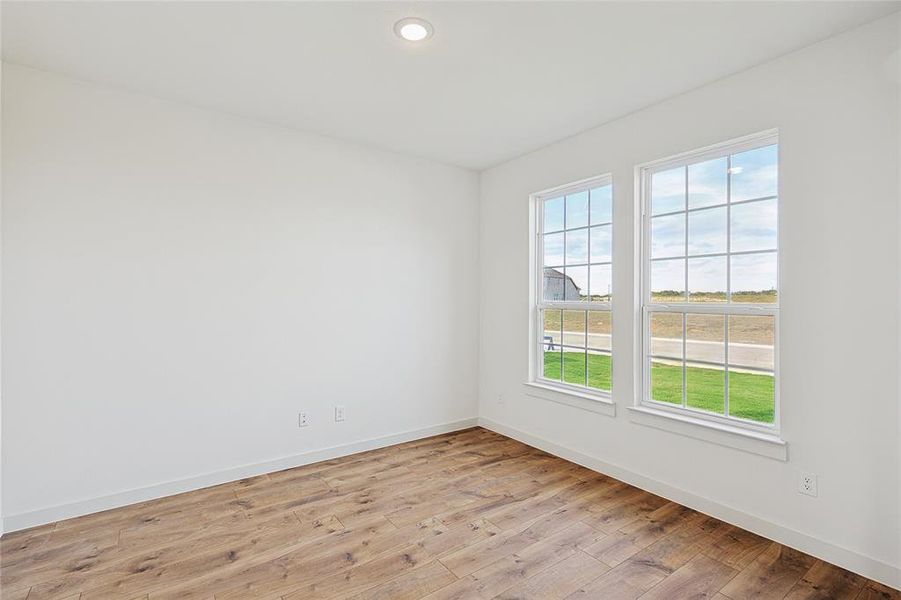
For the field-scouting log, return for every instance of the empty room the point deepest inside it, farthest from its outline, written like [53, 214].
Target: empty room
[450, 300]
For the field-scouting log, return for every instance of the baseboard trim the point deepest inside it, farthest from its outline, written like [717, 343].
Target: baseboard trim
[847, 559]
[84, 507]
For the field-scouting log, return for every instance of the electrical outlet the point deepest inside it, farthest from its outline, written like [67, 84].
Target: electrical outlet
[500, 399]
[807, 484]
[302, 419]
[339, 414]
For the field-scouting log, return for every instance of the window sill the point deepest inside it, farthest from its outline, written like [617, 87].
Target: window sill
[585, 401]
[764, 444]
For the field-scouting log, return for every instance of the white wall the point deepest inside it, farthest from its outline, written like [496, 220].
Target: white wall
[178, 284]
[837, 111]
[2, 529]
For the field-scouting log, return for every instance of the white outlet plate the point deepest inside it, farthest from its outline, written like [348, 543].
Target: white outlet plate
[807, 483]
[339, 414]
[302, 419]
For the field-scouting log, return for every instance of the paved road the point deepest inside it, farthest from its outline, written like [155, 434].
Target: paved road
[751, 356]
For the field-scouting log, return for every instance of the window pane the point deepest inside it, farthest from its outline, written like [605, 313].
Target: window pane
[577, 210]
[574, 366]
[705, 387]
[754, 278]
[707, 279]
[553, 214]
[751, 341]
[707, 231]
[705, 343]
[552, 359]
[574, 328]
[553, 327]
[551, 343]
[553, 250]
[668, 280]
[707, 183]
[752, 393]
[599, 329]
[554, 284]
[754, 174]
[668, 236]
[705, 338]
[600, 243]
[600, 370]
[602, 205]
[577, 247]
[666, 366]
[752, 396]
[601, 283]
[668, 191]
[666, 381]
[575, 284]
[754, 226]
[666, 335]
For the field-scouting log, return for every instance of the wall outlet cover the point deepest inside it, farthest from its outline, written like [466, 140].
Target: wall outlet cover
[807, 483]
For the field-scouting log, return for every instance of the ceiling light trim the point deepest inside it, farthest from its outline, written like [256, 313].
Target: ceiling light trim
[413, 29]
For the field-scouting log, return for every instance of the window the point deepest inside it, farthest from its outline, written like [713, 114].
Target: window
[574, 285]
[710, 299]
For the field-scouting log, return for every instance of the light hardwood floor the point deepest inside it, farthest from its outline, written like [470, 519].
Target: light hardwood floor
[465, 515]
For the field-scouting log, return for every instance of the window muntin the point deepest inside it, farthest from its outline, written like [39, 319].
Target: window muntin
[574, 273]
[709, 283]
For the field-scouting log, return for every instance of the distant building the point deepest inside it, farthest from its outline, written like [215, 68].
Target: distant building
[558, 286]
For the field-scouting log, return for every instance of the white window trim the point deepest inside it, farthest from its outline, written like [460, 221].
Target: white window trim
[686, 420]
[577, 398]
[599, 401]
[763, 444]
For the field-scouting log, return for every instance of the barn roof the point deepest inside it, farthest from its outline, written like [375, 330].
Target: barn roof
[552, 273]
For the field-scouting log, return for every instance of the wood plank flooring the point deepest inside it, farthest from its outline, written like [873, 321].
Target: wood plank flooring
[468, 515]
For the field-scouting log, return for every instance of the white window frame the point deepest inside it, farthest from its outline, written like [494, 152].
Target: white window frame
[537, 302]
[646, 306]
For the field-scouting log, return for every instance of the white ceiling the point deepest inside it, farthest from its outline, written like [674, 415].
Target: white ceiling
[497, 79]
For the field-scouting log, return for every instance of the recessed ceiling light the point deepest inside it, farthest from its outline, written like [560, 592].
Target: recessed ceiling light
[413, 29]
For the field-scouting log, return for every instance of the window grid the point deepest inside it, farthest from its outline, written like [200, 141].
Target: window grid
[728, 281]
[585, 304]
[729, 306]
[711, 206]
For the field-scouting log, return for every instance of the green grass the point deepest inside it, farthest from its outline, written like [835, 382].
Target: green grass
[599, 376]
[750, 395]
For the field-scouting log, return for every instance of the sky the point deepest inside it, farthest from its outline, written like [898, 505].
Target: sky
[710, 185]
